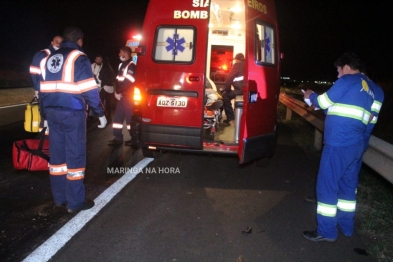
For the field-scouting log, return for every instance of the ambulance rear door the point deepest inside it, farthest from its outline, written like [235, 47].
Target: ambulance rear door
[262, 86]
[171, 74]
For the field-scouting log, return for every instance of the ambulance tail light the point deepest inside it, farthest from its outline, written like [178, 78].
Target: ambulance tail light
[140, 50]
[137, 96]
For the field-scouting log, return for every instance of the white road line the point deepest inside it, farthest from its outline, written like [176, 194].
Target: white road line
[2, 107]
[50, 247]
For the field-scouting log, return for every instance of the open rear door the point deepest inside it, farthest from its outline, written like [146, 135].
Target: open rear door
[262, 86]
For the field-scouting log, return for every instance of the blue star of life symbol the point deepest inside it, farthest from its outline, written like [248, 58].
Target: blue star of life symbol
[175, 44]
[56, 62]
[267, 44]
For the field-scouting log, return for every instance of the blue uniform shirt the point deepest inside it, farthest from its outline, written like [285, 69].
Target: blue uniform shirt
[69, 82]
[348, 103]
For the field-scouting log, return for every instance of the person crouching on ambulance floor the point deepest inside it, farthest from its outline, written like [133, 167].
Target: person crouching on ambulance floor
[66, 88]
[124, 93]
[235, 79]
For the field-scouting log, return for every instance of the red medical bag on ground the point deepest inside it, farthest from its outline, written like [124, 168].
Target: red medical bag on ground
[31, 154]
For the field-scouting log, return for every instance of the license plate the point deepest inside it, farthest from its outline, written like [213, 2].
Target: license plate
[172, 101]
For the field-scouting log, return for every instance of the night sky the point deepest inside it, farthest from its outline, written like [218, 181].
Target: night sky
[313, 33]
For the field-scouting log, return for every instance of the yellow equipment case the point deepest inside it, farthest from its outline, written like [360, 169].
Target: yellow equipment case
[32, 116]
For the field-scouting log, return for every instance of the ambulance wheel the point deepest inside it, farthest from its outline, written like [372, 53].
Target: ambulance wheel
[148, 153]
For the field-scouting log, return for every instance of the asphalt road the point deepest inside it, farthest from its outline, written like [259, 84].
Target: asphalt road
[181, 207]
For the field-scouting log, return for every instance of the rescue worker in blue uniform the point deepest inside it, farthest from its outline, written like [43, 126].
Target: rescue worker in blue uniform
[68, 86]
[40, 57]
[348, 104]
[124, 93]
[235, 79]
[35, 69]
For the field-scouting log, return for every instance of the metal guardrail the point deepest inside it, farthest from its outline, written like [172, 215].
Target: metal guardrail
[379, 155]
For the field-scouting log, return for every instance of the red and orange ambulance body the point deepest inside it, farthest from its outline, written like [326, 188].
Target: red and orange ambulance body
[186, 43]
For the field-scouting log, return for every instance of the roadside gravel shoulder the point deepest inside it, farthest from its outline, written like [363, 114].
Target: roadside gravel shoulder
[16, 96]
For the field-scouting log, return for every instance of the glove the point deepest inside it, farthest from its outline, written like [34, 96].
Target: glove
[102, 122]
[36, 94]
[118, 96]
[307, 100]
[47, 127]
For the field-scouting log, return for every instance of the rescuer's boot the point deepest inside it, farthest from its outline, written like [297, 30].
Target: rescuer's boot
[226, 121]
[313, 236]
[115, 142]
[87, 205]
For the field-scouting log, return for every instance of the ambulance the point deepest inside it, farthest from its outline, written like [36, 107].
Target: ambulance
[189, 44]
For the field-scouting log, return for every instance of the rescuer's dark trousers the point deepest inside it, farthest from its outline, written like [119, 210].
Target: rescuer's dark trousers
[67, 148]
[106, 100]
[337, 181]
[124, 111]
[227, 97]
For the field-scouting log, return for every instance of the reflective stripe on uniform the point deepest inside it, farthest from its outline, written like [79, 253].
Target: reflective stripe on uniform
[324, 101]
[125, 75]
[35, 70]
[66, 87]
[350, 111]
[346, 205]
[68, 71]
[56, 170]
[326, 210]
[67, 84]
[376, 107]
[76, 174]
[43, 62]
[117, 126]
[131, 78]
[374, 120]
[87, 85]
[237, 79]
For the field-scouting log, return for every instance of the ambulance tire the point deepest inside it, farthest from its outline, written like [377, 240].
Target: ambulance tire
[137, 156]
[148, 153]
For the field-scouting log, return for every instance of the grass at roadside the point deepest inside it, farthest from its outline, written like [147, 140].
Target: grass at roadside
[16, 96]
[375, 212]
[374, 217]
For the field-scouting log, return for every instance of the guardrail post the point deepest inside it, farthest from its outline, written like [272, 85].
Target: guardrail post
[289, 114]
[318, 139]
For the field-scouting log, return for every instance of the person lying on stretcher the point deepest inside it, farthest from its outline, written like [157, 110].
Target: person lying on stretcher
[213, 100]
